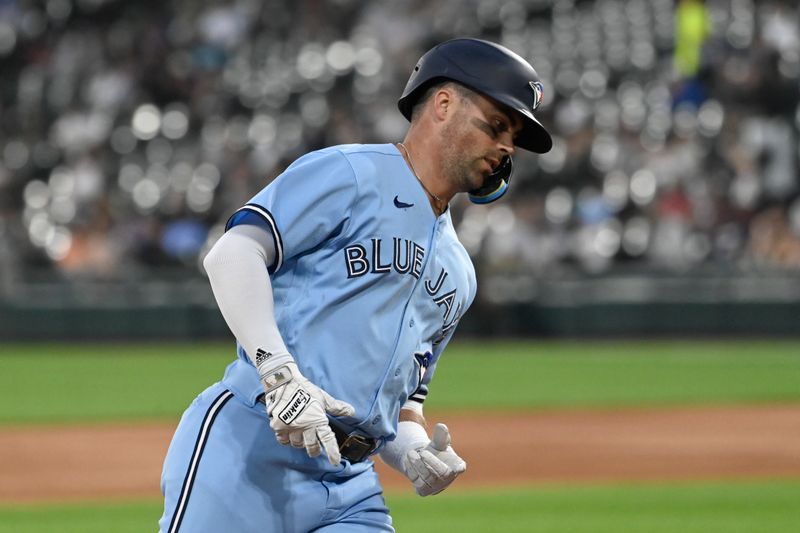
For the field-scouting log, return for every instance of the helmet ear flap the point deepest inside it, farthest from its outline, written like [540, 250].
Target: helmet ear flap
[496, 183]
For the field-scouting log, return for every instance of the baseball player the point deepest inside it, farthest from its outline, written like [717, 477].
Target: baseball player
[343, 281]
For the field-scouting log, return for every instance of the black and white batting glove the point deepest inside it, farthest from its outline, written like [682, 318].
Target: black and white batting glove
[297, 411]
[431, 465]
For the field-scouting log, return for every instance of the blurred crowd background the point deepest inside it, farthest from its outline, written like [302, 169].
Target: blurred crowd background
[130, 131]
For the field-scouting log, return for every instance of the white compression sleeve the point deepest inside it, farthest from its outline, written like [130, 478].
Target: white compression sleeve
[237, 269]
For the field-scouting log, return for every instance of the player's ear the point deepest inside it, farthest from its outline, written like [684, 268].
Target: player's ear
[442, 102]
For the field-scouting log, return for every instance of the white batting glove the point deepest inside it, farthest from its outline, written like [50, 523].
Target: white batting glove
[431, 469]
[297, 411]
[431, 465]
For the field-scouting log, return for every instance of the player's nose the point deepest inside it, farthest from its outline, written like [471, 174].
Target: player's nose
[506, 145]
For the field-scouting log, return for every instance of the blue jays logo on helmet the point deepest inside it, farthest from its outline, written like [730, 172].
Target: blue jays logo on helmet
[538, 94]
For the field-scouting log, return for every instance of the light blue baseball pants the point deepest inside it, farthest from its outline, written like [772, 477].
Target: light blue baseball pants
[226, 472]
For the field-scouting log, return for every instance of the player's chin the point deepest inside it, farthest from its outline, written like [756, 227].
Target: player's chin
[474, 176]
[479, 178]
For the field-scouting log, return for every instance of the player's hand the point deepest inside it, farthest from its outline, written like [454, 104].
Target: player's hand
[433, 467]
[297, 411]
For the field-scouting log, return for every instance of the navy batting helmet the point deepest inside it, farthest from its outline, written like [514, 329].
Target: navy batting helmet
[496, 72]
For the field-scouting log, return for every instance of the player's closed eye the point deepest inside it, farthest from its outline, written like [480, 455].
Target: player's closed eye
[499, 127]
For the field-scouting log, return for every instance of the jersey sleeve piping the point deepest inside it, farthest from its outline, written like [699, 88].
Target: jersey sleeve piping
[267, 217]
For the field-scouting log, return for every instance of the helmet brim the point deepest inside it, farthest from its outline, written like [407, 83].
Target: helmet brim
[534, 137]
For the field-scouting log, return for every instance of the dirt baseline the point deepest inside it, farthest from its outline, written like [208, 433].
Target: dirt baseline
[115, 461]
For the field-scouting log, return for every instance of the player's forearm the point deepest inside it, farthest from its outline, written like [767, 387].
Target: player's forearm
[237, 270]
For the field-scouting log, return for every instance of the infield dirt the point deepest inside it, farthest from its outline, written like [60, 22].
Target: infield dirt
[120, 461]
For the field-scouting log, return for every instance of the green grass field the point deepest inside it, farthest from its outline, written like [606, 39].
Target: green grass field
[119, 382]
[71, 383]
[674, 508]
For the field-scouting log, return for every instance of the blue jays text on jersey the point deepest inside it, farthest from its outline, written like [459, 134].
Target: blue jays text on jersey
[366, 276]
[407, 258]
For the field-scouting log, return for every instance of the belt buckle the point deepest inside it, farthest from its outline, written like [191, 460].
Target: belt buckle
[356, 448]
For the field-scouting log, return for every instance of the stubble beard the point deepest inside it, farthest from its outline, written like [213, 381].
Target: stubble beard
[458, 169]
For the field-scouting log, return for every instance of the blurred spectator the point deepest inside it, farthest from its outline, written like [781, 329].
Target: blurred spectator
[691, 30]
[130, 130]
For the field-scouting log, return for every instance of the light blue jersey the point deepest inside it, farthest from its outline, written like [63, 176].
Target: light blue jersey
[368, 287]
[366, 276]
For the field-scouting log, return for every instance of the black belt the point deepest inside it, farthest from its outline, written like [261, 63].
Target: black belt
[353, 447]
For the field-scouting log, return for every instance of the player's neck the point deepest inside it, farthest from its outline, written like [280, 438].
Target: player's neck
[426, 173]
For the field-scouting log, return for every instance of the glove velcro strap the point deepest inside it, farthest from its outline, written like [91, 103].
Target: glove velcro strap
[275, 378]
